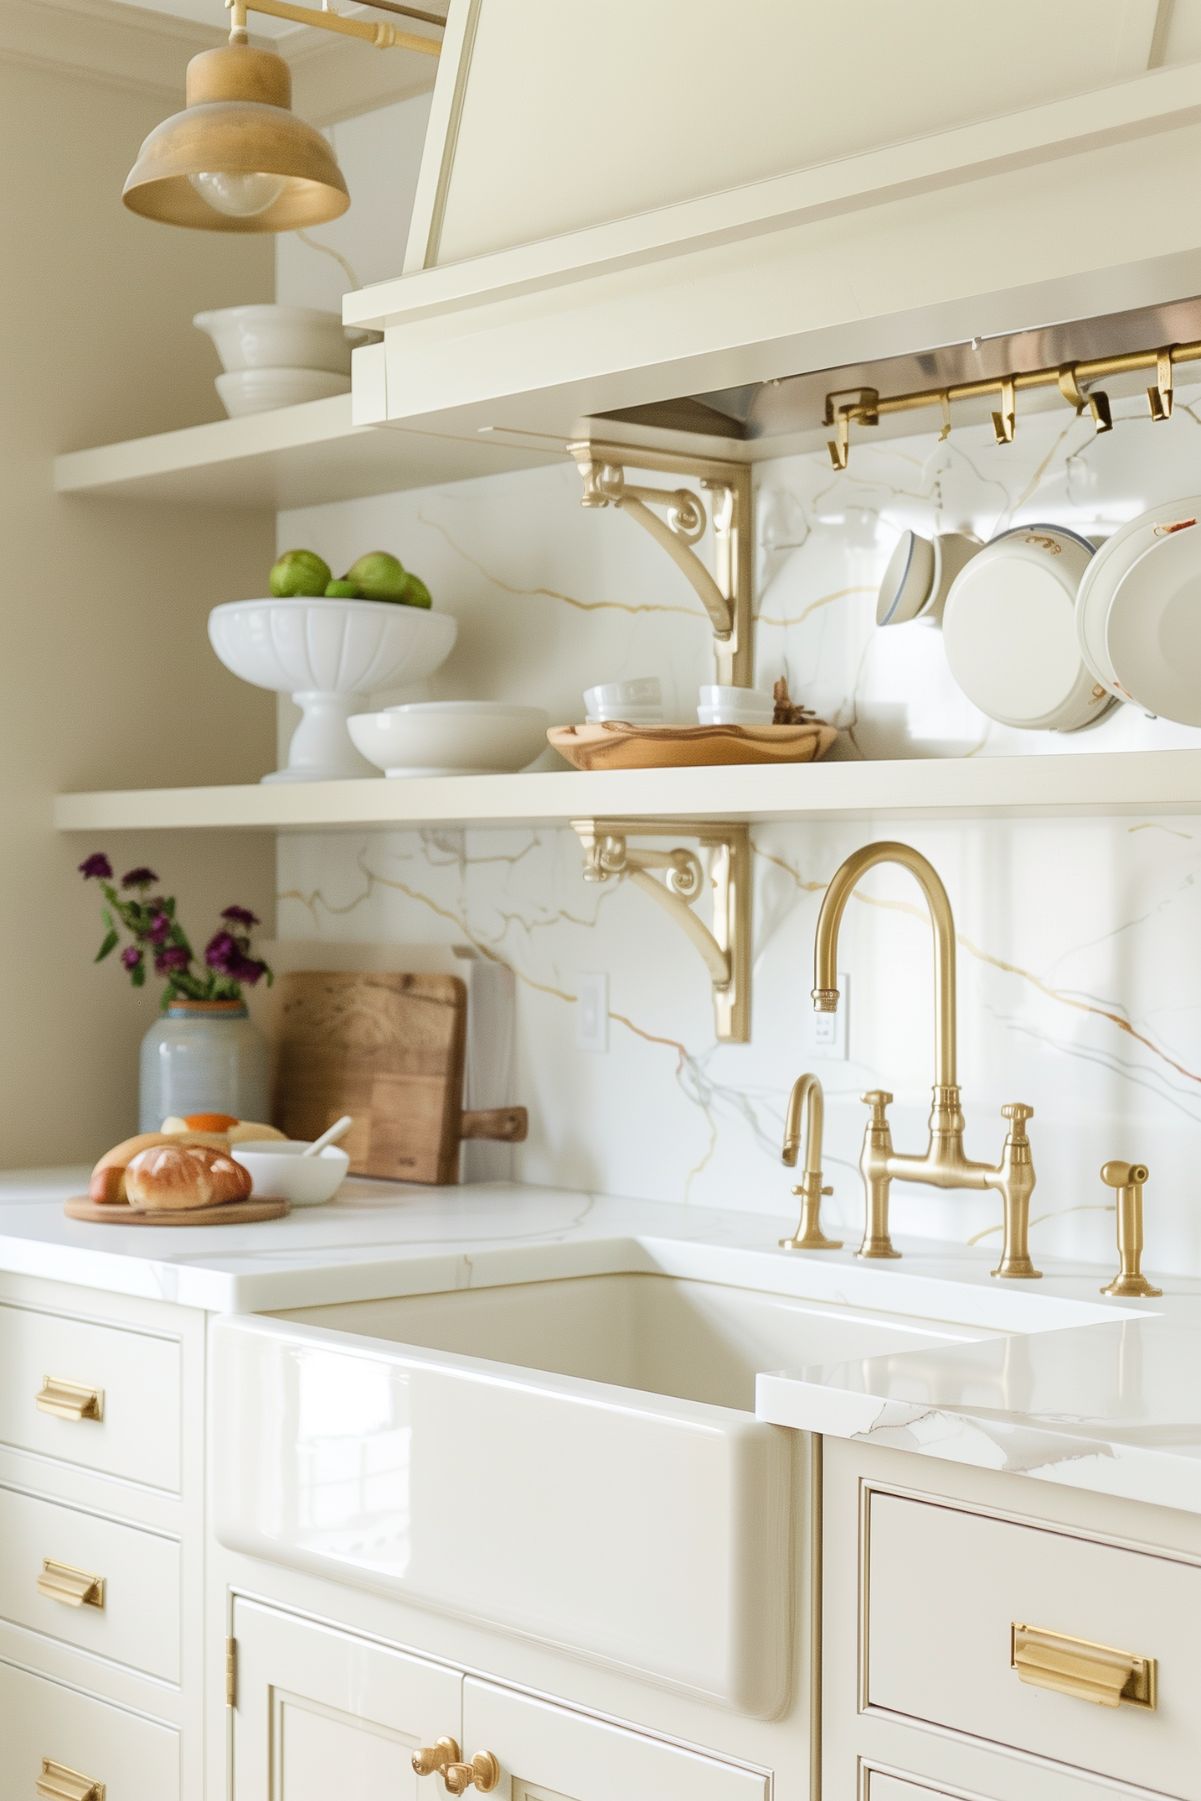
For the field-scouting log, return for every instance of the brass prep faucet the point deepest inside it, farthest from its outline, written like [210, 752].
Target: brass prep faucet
[807, 1094]
[944, 1163]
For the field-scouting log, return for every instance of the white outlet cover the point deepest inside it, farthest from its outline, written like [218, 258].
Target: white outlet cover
[592, 1011]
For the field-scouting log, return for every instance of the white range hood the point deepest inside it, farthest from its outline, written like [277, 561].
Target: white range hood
[674, 201]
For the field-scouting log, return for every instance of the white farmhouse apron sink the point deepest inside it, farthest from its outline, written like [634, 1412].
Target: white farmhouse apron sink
[574, 1459]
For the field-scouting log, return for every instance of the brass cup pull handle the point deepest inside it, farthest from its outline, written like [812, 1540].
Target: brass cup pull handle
[431, 1758]
[1078, 1667]
[72, 1587]
[69, 1400]
[483, 1773]
[58, 1783]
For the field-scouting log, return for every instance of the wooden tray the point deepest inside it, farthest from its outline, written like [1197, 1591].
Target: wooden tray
[614, 745]
[233, 1213]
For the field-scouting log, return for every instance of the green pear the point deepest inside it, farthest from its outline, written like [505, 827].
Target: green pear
[378, 576]
[299, 574]
[343, 590]
[416, 594]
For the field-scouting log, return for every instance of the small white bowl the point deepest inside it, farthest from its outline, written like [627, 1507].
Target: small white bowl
[245, 391]
[731, 716]
[281, 1172]
[451, 737]
[608, 698]
[264, 336]
[736, 700]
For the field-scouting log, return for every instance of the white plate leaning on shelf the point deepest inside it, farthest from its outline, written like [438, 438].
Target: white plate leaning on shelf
[329, 655]
[1153, 628]
[1106, 571]
[1009, 628]
[451, 737]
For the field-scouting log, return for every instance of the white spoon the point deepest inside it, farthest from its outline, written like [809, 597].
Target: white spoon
[339, 1129]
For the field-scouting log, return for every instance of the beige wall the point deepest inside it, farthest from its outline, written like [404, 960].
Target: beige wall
[106, 677]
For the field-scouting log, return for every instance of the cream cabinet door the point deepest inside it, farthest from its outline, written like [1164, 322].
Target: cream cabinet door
[549, 1753]
[322, 1715]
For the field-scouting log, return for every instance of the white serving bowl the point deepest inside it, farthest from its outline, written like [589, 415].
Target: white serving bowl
[735, 715]
[451, 737]
[627, 715]
[263, 336]
[279, 1171]
[329, 655]
[245, 391]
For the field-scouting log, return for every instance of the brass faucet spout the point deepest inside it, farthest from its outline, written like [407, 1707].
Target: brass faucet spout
[806, 1094]
[942, 925]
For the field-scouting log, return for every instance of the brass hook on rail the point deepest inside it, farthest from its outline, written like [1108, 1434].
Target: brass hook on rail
[1096, 401]
[944, 402]
[1004, 423]
[859, 403]
[1159, 397]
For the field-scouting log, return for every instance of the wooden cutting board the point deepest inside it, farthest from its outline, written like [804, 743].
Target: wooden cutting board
[389, 1050]
[231, 1213]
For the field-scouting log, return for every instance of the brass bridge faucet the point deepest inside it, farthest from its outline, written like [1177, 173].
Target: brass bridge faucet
[943, 1164]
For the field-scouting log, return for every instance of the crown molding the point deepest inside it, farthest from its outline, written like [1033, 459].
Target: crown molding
[143, 51]
[105, 40]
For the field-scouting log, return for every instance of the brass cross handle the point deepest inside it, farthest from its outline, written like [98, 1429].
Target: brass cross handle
[879, 1100]
[431, 1758]
[483, 1772]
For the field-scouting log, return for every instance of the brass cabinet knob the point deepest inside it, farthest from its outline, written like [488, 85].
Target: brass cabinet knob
[432, 1758]
[1128, 1179]
[483, 1773]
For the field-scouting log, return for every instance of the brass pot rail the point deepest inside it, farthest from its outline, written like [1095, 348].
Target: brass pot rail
[865, 406]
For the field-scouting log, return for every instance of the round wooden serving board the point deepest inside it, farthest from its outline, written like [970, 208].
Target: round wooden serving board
[614, 745]
[233, 1213]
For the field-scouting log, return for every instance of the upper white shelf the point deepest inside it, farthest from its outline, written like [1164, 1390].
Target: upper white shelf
[296, 456]
[1132, 782]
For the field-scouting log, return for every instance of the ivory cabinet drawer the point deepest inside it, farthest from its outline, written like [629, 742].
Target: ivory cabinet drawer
[130, 1613]
[948, 1591]
[41, 1722]
[56, 1373]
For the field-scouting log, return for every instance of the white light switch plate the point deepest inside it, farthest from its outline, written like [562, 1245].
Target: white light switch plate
[830, 1029]
[592, 1011]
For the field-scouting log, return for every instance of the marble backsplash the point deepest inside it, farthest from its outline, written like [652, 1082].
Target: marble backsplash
[1079, 965]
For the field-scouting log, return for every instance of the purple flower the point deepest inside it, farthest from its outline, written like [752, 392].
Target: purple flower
[96, 866]
[221, 952]
[246, 970]
[131, 957]
[171, 957]
[138, 878]
[241, 916]
[159, 928]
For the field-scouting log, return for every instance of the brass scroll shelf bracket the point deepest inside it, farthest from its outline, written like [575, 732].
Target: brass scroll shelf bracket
[726, 949]
[724, 592]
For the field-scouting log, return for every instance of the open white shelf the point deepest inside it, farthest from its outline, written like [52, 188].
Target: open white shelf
[1133, 782]
[296, 456]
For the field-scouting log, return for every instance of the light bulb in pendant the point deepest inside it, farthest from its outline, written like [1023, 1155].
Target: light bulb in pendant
[238, 194]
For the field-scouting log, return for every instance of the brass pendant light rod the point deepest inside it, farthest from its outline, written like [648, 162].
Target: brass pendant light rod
[377, 33]
[406, 12]
[864, 406]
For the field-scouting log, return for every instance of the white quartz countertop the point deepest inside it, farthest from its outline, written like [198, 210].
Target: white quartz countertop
[1077, 1390]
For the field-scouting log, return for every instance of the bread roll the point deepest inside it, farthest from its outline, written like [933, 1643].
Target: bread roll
[107, 1187]
[245, 1131]
[230, 1130]
[175, 1177]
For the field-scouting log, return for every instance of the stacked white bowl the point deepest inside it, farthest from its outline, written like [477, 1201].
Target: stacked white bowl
[275, 356]
[721, 704]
